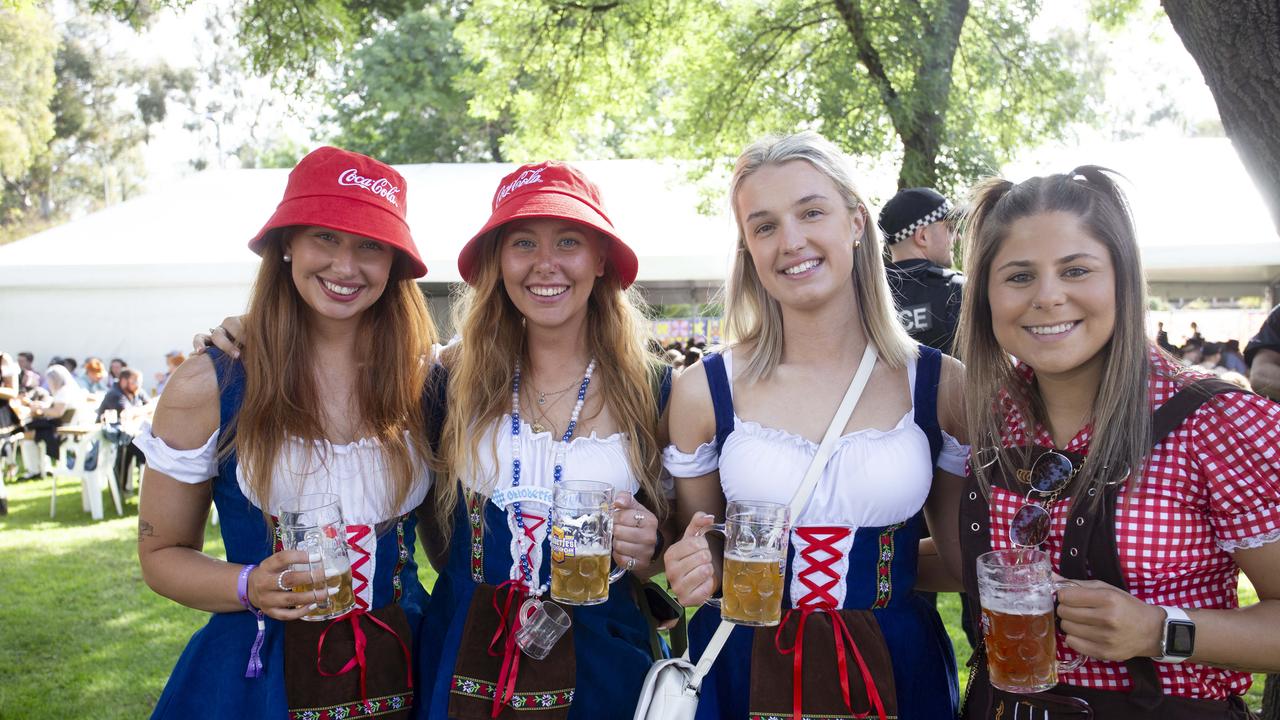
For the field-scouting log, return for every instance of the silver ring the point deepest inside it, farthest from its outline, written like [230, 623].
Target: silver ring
[280, 580]
[214, 330]
[631, 564]
[639, 519]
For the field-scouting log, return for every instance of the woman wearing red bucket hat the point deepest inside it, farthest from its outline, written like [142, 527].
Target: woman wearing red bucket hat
[551, 383]
[330, 395]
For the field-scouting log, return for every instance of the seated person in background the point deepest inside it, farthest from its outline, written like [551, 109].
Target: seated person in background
[9, 406]
[172, 359]
[47, 415]
[28, 378]
[1232, 360]
[95, 379]
[117, 364]
[127, 404]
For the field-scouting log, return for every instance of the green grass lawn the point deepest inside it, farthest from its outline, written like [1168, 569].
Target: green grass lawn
[82, 636]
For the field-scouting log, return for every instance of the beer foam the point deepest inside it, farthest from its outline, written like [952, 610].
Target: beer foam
[1016, 601]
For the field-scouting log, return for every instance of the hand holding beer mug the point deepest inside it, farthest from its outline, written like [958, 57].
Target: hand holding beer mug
[582, 542]
[755, 550]
[313, 524]
[1016, 589]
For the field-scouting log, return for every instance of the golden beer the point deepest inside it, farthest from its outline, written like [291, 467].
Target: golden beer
[581, 578]
[339, 603]
[752, 591]
[1021, 652]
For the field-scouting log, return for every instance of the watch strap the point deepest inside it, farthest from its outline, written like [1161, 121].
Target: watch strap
[1171, 614]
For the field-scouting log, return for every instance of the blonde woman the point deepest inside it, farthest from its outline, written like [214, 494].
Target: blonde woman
[328, 395]
[807, 295]
[1148, 484]
[550, 382]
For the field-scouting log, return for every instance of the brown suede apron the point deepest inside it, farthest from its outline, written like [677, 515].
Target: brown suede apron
[822, 663]
[1088, 553]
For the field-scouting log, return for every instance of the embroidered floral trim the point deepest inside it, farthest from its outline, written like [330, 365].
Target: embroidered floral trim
[548, 700]
[477, 537]
[884, 567]
[807, 716]
[373, 707]
[402, 557]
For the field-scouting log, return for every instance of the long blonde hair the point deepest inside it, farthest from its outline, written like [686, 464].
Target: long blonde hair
[753, 316]
[281, 399]
[1121, 413]
[482, 367]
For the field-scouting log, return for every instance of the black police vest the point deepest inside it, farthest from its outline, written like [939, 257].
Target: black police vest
[927, 297]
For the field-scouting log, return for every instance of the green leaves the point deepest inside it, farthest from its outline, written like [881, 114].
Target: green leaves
[27, 47]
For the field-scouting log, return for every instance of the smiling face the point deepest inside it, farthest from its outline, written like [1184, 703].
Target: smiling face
[799, 232]
[549, 267]
[339, 275]
[1052, 292]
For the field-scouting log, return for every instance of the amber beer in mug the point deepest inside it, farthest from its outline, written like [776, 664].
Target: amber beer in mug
[1016, 589]
[581, 540]
[313, 524]
[755, 549]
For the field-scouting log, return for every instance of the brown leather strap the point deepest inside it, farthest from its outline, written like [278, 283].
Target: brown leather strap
[1088, 553]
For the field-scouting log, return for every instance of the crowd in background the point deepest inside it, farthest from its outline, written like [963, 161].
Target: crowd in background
[96, 392]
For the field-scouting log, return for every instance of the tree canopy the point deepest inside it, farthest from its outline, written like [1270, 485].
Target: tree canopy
[27, 47]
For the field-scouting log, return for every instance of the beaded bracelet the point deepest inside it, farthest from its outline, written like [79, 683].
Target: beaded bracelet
[254, 670]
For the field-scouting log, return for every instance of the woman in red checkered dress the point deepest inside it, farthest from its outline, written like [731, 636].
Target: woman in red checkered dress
[1173, 481]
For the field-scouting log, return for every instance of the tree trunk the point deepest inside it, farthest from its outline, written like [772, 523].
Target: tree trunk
[1271, 699]
[1237, 46]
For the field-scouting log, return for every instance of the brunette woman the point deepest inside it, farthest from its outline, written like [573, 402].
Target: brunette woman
[1149, 486]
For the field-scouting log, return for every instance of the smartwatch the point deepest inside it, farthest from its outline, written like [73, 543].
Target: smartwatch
[1178, 641]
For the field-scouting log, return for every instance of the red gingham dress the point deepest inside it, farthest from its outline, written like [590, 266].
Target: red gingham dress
[1210, 487]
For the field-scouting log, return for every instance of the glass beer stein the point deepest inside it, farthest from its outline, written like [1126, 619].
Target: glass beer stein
[581, 541]
[313, 524]
[1016, 589]
[755, 553]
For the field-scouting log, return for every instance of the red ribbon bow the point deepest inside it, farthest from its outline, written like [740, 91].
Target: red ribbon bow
[506, 687]
[358, 659]
[797, 664]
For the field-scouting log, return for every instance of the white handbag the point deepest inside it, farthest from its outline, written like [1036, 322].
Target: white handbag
[671, 688]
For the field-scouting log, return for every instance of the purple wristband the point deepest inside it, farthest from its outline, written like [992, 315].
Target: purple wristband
[242, 586]
[254, 670]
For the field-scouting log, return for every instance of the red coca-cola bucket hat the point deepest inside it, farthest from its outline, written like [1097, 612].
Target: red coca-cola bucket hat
[345, 191]
[550, 190]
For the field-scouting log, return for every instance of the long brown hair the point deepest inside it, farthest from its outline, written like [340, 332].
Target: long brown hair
[281, 399]
[482, 366]
[1121, 413]
[755, 317]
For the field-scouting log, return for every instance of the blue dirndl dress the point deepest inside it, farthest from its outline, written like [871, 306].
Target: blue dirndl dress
[209, 679]
[611, 640]
[880, 577]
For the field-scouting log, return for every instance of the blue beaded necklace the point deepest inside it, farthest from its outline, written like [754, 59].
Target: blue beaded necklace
[526, 571]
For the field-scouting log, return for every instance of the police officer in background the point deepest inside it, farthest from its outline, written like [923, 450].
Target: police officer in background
[926, 289]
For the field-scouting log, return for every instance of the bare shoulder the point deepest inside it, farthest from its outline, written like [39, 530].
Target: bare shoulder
[188, 412]
[692, 416]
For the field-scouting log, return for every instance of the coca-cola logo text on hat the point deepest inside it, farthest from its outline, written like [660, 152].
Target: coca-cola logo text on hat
[528, 177]
[381, 187]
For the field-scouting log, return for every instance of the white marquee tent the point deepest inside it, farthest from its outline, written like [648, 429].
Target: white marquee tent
[138, 279]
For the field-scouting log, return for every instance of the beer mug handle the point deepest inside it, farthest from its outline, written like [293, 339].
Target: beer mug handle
[320, 589]
[716, 527]
[1079, 659]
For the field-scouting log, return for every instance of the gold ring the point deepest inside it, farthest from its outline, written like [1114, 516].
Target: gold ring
[639, 519]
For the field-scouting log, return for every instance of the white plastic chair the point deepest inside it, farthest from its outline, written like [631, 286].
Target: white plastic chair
[91, 481]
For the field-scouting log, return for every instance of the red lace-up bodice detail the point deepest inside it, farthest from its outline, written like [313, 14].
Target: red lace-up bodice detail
[817, 573]
[359, 563]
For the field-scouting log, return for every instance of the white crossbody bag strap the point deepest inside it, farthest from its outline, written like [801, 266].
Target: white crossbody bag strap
[803, 493]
